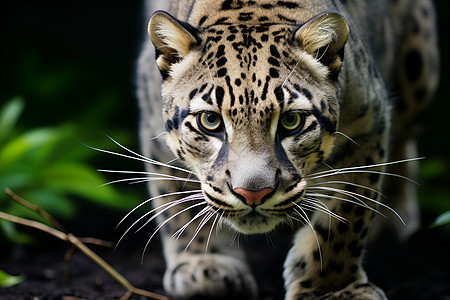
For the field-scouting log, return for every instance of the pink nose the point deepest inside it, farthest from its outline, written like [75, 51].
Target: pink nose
[253, 198]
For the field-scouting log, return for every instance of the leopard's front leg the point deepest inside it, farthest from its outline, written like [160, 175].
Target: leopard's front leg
[325, 260]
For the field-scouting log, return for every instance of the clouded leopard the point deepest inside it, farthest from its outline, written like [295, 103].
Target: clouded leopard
[281, 114]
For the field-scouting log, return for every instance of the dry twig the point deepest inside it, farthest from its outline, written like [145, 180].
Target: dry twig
[76, 242]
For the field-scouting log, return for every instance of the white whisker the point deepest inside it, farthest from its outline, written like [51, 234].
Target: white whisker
[360, 203]
[211, 230]
[180, 231]
[165, 222]
[319, 206]
[165, 207]
[149, 173]
[356, 196]
[137, 156]
[172, 204]
[338, 171]
[203, 222]
[137, 180]
[349, 183]
[349, 138]
[290, 74]
[313, 231]
[162, 196]
[158, 136]
[342, 171]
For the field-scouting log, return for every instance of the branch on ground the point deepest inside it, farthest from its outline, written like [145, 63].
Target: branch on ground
[61, 234]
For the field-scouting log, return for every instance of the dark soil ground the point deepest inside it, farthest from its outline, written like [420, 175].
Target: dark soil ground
[416, 269]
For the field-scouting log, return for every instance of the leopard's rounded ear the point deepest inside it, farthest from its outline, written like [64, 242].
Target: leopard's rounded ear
[172, 39]
[324, 37]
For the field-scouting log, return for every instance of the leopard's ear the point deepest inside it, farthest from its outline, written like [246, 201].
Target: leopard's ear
[172, 39]
[324, 37]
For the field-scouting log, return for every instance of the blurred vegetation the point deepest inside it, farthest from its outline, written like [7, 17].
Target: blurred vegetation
[66, 81]
[49, 167]
[434, 144]
[67, 75]
[7, 280]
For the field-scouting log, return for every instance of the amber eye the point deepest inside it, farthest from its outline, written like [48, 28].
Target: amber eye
[209, 121]
[291, 121]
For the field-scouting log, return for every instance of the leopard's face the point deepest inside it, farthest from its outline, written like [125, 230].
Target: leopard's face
[253, 114]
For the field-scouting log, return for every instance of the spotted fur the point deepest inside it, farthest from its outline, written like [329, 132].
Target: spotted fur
[284, 113]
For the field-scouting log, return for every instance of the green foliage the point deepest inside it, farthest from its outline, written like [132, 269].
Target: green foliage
[433, 190]
[49, 167]
[7, 280]
[442, 219]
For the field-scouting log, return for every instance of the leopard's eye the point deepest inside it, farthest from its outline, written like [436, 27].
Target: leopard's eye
[209, 121]
[291, 121]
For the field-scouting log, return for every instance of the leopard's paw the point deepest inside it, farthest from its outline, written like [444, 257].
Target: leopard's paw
[210, 275]
[354, 291]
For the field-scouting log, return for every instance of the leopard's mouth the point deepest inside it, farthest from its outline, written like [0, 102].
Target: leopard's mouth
[255, 219]
[253, 222]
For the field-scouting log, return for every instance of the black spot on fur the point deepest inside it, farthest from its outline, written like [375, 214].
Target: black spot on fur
[265, 88]
[203, 87]
[274, 73]
[274, 51]
[357, 226]
[280, 96]
[245, 16]
[360, 210]
[316, 255]
[207, 98]
[413, 65]
[324, 122]
[202, 20]
[220, 92]
[220, 51]
[222, 72]
[335, 267]
[355, 248]
[284, 18]
[192, 94]
[230, 90]
[301, 264]
[374, 177]
[273, 61]
[231, 37]
[342, 227]
[326, 234]
[364, 232]
[211, 271]
[306, 283]
[347, 207]
[287, 4]
[221, 61]
[337, 247]
[303, 91]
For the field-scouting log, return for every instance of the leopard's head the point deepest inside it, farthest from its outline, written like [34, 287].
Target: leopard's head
[252, 109]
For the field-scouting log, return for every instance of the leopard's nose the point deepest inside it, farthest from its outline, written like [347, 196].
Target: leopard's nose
[253, 198]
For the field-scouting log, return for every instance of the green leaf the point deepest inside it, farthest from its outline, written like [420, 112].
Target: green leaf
[442, 219]
[9, 114]
[83, 181]
[37, 140]
[7, 280]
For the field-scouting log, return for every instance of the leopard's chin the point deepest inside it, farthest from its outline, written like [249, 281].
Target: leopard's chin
[253, 223]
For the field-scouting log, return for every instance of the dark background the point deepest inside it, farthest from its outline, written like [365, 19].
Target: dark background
[71, 64]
